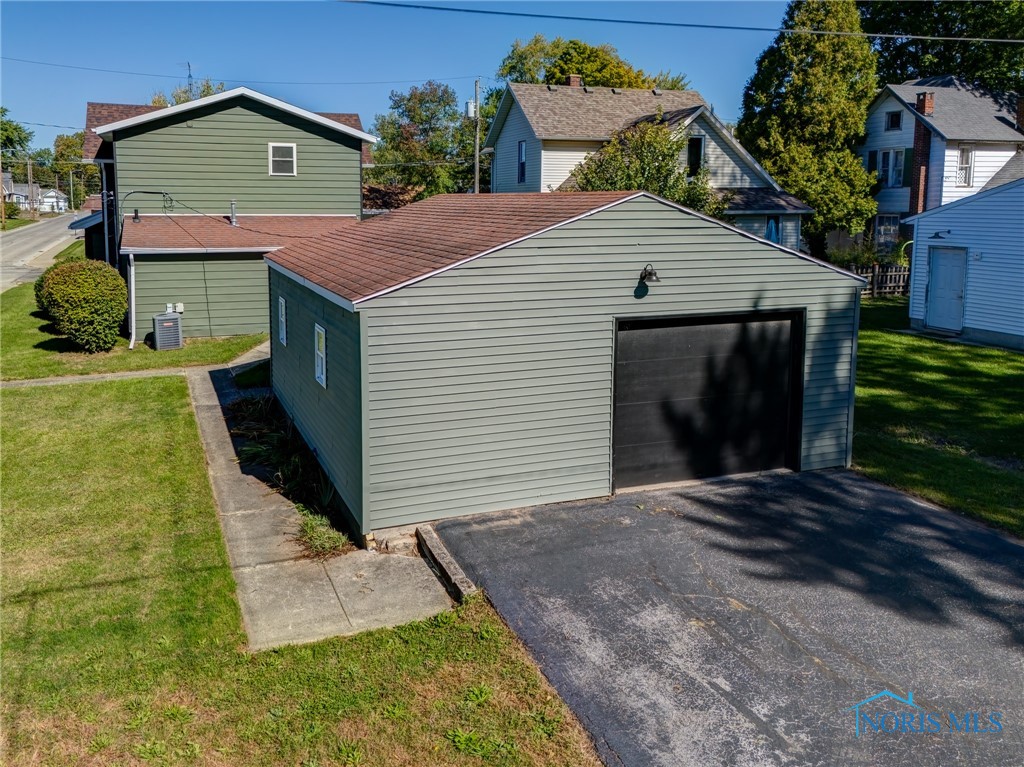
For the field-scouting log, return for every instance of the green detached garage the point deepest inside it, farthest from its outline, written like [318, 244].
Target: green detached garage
[474, 353]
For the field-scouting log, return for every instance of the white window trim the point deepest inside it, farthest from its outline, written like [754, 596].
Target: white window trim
[969, 182]
[893, 166]
[282, 321]
[521, 156]
[270, 159]
[320, 358]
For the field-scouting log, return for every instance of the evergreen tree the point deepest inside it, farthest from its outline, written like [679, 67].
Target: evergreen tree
[804, 112]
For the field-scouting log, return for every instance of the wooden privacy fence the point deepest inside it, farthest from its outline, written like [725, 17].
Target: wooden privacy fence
[885, 279]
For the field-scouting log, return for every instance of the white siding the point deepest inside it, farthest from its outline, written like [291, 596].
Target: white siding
[505, 165]
[988, 160]
[992, 230]
[726, 166]
[936, 170]
[897, 199]
[560, 158]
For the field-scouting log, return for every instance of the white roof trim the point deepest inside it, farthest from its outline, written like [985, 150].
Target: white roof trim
[721, 130]
[321, 291]
[106, 130]
[600, 209]
[965, 200]
[172, 251]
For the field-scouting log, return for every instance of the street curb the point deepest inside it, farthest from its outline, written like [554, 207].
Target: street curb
[437, 554]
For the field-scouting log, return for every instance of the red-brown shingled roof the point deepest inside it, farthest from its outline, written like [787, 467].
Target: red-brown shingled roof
[389, 250]
[97, 114]
[93, 202]
[165, 232]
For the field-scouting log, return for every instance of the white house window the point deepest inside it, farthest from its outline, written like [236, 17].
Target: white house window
[521, 172]
[282, 321]
[320, 355]
[965, 167]
[894, 120]
[282, 159]
[773, 229]
[890, 167]
[887, 232]
[694, 155]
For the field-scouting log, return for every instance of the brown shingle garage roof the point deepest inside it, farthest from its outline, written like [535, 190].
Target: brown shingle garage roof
[386, 252]
[166, 233]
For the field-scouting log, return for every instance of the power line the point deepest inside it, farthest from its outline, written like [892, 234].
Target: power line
[50, 125]
[231, 80]
[678, 24]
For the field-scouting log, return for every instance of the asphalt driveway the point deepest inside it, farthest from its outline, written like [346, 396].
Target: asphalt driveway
[734, 622]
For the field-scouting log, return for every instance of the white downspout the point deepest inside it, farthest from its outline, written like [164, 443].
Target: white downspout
[131, 300]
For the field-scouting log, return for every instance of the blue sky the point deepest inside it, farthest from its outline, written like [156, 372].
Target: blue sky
[374, 49]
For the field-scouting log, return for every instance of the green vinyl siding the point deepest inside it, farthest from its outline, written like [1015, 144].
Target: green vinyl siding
[223, 294]
[205, 159]
[489, 386]
[329, 419]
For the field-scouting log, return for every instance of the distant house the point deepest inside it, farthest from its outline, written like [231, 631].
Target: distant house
[23, 195]
[53, 201]
[542, 132]
[932, 141]
[967, 274]
[197, 193]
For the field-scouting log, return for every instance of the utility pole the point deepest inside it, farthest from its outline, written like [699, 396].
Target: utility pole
[71, 183]
[476, 138]
[3, 203]
[31, 202]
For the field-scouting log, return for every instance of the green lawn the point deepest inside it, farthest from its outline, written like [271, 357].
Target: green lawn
[17, 223]
[122, 637]
[942, 420]
[30, 348]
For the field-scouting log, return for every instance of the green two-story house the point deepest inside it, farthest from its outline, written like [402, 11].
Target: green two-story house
[197, 193]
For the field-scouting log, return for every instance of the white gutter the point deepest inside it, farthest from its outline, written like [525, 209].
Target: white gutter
[131, 300]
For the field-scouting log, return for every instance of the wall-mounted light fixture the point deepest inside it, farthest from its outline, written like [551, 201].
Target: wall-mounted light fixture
[649, 275]
[941, 235]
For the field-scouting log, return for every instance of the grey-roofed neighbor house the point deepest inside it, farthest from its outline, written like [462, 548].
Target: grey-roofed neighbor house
[967, 271]
[935, 140]
[470, 353]
[542, 132]
[196, 193]
[1013, 170]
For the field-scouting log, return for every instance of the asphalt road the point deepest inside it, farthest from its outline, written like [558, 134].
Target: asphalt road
[736, 622]
[19, 247]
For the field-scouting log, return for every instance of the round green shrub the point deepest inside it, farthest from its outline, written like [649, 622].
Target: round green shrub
[87, 301]
[38, 287]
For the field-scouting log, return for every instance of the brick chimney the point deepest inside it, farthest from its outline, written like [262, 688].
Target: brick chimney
[922, 151]
[574, 81]
[926, 103]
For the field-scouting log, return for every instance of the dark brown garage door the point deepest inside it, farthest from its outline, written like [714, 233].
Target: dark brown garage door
[706, 397]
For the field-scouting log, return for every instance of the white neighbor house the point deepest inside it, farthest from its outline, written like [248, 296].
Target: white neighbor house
[967, 274]
[933, 141]
[542, 132]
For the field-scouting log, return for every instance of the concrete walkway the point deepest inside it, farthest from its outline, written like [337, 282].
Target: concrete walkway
[286, 598]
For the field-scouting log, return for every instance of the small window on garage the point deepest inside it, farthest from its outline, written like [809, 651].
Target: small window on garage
[282, 321]
[521, 164]
[773, 229]
[320, 355]
[282, 159]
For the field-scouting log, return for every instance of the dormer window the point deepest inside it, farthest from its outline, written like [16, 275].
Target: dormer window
[894, 120]
[694, 155]
[282, 159]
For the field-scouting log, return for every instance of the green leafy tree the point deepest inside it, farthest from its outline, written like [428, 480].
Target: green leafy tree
[186, 93]
[67, 155]
[804, 112]
[996, 66]
[539, 60]
[646, 157]
[14, 137]
[425, 142]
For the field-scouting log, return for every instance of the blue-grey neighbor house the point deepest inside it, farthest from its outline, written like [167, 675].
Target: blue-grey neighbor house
[471, 353]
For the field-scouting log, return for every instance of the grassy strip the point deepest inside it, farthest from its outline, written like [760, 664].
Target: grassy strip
[72, 252]
[122, 637]
[17, 223]
[940, 419]
[317, 535]
[32, 349]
